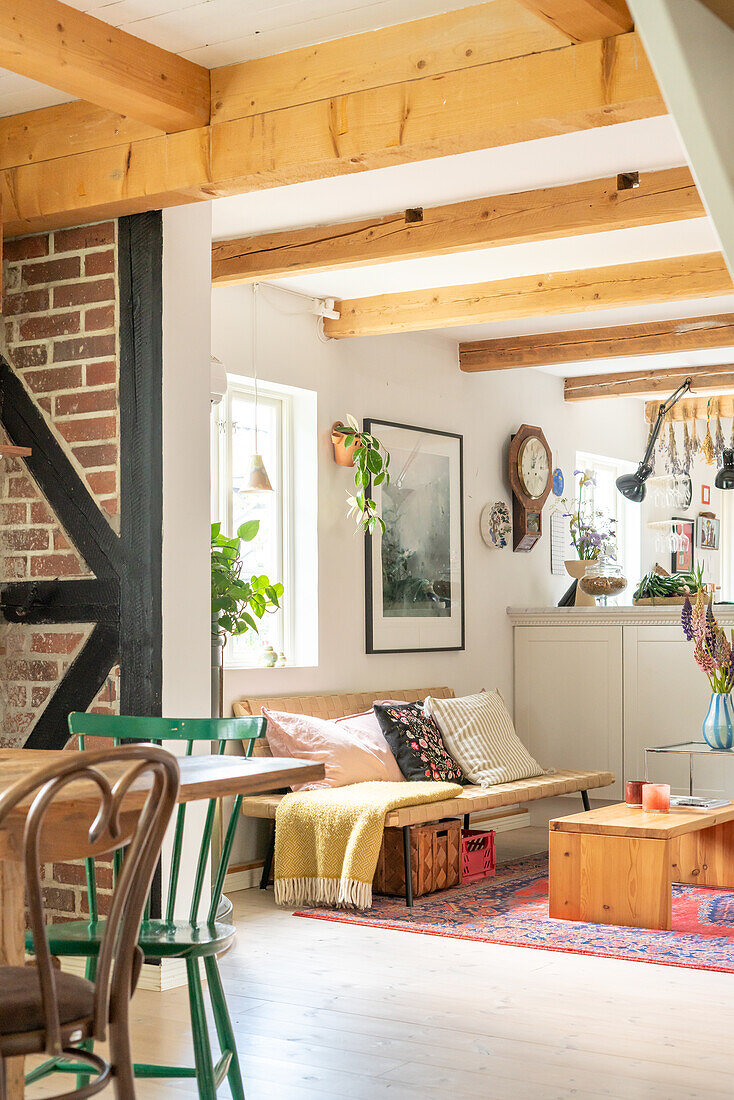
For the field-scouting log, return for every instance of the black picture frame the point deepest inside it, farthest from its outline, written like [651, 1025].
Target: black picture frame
[373, 620]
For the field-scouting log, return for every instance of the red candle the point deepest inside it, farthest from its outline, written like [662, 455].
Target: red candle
[634, 791]
[656, 797]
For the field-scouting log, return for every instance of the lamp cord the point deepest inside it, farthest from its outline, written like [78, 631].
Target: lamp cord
[255, 289]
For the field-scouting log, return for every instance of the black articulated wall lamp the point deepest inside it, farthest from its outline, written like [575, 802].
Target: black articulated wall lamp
[632, 486]
[725, 476]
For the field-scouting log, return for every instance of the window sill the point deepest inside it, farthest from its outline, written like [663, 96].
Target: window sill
[267, 668]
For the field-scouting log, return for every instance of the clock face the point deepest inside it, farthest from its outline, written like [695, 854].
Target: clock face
[533, 467]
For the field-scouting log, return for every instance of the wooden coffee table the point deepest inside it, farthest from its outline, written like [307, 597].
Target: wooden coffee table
[616, 865]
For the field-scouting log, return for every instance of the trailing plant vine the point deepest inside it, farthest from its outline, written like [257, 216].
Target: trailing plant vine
[371, 462]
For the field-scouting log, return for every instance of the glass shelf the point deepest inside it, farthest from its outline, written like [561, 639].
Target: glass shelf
[692, 748]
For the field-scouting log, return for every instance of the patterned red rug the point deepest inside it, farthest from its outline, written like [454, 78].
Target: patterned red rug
[512, 909]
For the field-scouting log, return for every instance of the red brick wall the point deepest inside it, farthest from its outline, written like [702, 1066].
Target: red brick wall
[60, 335]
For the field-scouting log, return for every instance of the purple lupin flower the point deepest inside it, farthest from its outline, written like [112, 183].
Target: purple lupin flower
[686, 619]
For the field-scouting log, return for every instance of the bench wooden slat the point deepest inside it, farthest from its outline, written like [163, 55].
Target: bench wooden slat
[471, 800]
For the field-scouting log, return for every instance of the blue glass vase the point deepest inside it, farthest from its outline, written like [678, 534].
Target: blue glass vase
[718, 725]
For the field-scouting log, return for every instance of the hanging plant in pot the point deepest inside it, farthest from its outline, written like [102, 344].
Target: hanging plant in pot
[713, 653]
[237, 603]
[370, 461]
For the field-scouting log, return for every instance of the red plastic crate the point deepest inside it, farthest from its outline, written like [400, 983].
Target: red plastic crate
[478, 855]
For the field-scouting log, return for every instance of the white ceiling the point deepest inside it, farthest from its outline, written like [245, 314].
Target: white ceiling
[548, 162]
[645, 146]
[221, 32]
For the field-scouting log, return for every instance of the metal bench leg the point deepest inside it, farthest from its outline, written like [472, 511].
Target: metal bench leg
[408, 867]
[267, 865]
[466, 821]
[585, 800]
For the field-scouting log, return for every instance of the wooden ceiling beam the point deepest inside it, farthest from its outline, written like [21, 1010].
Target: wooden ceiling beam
[589, 207]
[496, 103]
[649, 383]
[59, 45]
[583, 20]
[684, 277]
[448, 42]
[548, 348]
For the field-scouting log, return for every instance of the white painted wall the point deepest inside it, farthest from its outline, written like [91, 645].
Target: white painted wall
[414, 379]
[186, 477]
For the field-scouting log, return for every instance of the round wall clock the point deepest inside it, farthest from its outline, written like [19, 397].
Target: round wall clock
[529, 473]
[533, 466]
[495, 524]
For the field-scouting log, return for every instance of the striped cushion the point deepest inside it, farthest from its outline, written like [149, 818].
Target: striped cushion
[478, 732]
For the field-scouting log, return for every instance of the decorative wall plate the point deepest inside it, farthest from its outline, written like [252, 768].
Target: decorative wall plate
[495, 524]
[558, 482]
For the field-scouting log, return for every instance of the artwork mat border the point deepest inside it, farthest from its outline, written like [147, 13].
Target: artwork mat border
[368, 423]
[674, 567]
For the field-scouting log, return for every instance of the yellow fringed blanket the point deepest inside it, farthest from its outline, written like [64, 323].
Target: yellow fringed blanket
[327, 842]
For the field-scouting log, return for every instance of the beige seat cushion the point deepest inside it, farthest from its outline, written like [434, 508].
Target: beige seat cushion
[21, 1008]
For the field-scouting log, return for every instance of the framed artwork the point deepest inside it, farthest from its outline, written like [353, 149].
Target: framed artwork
[707, 532]
[414, 572]
[705, 494]
[682, 558]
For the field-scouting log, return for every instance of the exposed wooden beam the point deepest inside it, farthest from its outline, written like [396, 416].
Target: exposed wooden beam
[653, 338]
[88, 58]
[537, 95]
[583, 20]
[703, 276]
[647, 383]
[443, 43]
[589, 207]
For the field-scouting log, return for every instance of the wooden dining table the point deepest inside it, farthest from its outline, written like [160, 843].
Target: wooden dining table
[70, 815]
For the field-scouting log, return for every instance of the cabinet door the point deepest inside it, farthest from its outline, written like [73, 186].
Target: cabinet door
[666, 697]
[568, 697]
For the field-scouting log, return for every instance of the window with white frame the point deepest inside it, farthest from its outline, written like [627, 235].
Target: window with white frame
[287, 515]
[604, 497]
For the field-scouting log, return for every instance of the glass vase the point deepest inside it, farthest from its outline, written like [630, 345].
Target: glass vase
[718, 725]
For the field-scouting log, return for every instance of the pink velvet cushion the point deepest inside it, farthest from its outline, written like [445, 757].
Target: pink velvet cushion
[349, 755]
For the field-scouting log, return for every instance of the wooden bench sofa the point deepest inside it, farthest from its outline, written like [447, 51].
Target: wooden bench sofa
[472, 799]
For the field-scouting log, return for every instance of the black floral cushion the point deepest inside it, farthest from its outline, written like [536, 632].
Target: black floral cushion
[416, 742]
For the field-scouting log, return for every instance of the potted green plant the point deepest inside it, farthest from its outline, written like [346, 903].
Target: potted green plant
[370, 461]
[237, 603]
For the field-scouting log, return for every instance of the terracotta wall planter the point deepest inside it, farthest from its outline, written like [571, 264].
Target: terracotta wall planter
[343, 456]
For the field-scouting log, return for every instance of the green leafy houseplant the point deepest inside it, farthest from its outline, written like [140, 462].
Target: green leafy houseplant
[371, 462]
[238, 604]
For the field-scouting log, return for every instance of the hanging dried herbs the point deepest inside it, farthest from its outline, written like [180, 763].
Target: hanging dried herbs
[708, 451]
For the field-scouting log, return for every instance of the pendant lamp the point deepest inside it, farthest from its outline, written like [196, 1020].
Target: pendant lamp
[258, 481]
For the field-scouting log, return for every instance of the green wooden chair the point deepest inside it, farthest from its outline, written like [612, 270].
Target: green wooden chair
[164, 937]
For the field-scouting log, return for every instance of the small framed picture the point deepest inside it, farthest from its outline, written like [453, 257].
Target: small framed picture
[682, 556]
[705, 494]
[707, 532]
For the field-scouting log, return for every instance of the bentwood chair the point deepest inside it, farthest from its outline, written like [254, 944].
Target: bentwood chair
[45, 1010]
[166, 936]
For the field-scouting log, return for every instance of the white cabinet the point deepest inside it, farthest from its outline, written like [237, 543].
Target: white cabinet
[568, 697]
[665, 700]
[595, 687]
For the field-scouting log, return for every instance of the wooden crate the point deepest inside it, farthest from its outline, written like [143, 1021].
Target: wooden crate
[435, 853]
